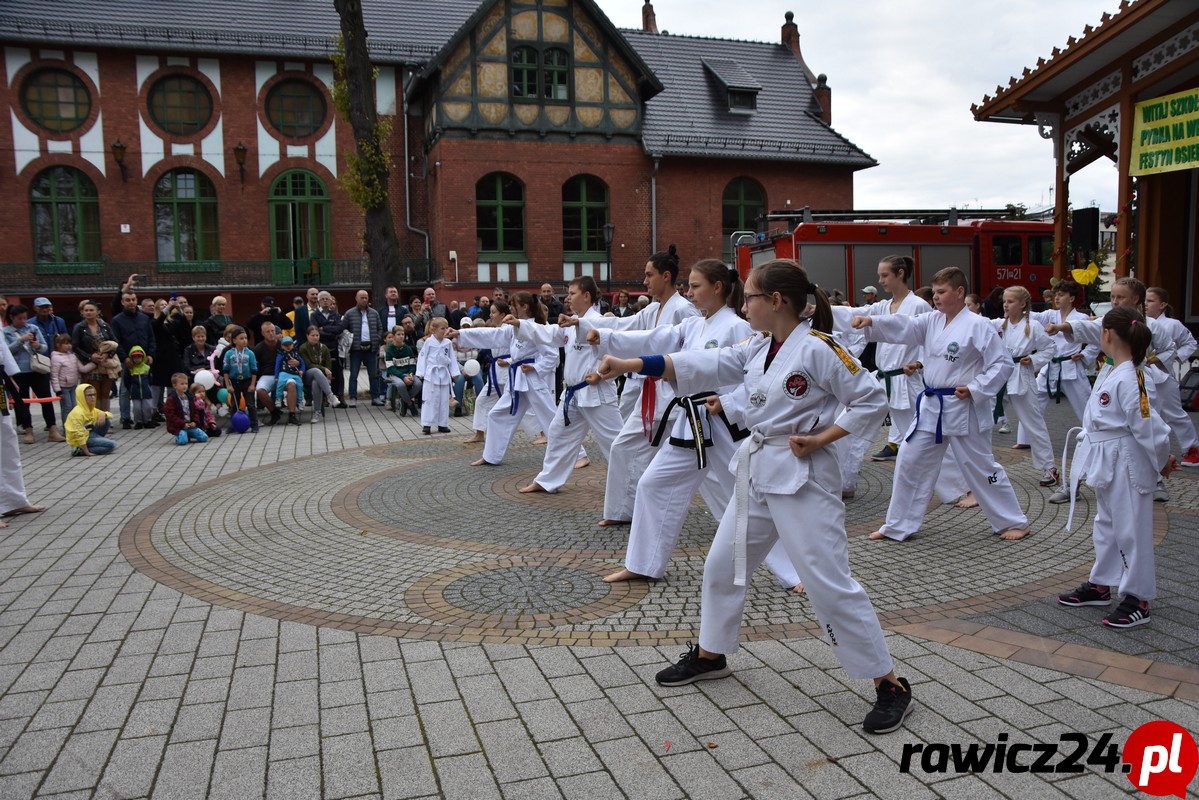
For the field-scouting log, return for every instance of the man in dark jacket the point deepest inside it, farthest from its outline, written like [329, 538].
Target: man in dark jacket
[47, 322]
[392, 310]
[364, 325]
[267, 312]
[132, 329]
[329, 320]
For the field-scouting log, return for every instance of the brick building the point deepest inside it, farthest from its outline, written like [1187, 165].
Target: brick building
[197, 144]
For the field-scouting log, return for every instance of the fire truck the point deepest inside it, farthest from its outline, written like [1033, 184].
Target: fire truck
[841, 249]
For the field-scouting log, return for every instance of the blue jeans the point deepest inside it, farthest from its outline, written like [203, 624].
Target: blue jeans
[96, 443]
[66, 401]
[191, 435]
[460, 386]
[370, 360]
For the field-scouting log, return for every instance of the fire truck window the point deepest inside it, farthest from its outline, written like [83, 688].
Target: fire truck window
[1040, 250]
[1006, 251]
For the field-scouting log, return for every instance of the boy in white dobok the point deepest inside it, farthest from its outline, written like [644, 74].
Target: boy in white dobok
[965, 365]
[585, 406]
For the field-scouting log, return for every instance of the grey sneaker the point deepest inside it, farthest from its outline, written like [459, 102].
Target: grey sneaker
[317, 416]
[1062, 495]
[889, 453]
[691, 668]
[1161, 494]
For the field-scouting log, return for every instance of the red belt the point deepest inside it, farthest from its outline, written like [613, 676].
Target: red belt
[649, 404]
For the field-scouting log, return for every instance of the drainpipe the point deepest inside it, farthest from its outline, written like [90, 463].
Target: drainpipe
[653, 206]
[407, 169]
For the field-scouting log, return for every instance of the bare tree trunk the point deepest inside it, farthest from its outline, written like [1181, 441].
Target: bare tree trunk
[380, 236]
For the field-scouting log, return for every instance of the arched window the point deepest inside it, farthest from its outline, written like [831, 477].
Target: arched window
[744, 200]
[299, 211]
[500, 215]
[584, 212]
[66, 217]
[185, 217]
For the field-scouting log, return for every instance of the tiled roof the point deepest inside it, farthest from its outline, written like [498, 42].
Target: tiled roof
[408, 31]
[691, 116]
[731, 74]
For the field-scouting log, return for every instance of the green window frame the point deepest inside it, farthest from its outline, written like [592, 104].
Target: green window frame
[296, 108]
[540, 74]
[66, 217]
[500, 217]
[584, 213]
[56, 99]
[180, 105]
[185, 217]
[298, 205]
[743, 201]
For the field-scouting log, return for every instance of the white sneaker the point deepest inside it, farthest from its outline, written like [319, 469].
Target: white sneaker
[332, 402]
[1161, 495]
[1004, 428]
[317, 416]
[352, 403]
[1060, 496]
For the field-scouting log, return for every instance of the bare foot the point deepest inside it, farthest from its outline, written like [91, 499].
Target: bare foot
[608, 523]
[1021, 446]
[3, 524]
[480, 463]
[541, 440]
[1013, 535]
[874, 537]
[24, 510]
[798, 589]
[968, 501]
[582, 462]
[625, 575]
[532, 487]
[478, 437]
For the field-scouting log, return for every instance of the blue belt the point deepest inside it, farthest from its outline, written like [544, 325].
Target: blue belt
[512, 369]
[494, 378]
[570, 395]
[940, 394]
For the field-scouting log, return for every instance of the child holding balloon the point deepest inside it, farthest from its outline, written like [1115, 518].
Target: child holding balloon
[436, 367]
[201, 402]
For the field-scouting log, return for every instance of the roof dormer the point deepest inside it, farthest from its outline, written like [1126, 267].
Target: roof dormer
[742, 88]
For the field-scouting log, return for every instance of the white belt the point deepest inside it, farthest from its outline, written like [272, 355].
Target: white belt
[752, 444]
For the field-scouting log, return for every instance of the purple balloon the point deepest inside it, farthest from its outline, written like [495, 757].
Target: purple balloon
[239, 422]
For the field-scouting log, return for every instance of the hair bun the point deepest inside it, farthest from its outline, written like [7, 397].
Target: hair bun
[734, 275]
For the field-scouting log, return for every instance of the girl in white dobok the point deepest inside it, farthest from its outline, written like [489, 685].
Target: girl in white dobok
[697, 450]
[788, 482]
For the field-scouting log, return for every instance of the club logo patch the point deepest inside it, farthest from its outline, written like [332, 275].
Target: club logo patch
[711, 344]
[1105, 399]
[953, 348]
[757, 399]
[796, 385]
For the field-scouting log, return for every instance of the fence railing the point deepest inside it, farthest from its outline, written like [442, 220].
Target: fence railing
[95, 276]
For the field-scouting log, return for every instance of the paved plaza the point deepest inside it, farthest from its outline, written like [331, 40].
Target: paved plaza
[349, 610]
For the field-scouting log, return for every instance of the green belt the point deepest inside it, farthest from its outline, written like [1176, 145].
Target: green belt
[886, 375]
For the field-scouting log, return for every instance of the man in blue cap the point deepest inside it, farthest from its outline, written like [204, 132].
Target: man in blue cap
[44, 318]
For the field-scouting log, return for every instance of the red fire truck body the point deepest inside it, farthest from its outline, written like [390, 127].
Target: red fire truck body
[845, 255]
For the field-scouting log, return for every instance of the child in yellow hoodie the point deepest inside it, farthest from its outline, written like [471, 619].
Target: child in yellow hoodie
[86, 425]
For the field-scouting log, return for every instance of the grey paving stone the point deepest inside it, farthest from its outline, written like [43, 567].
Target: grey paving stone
[378, 648]
[239, 774]
[635, 699]
[767, 782]
[448, 729]
[80, 763]
[468, 661]
[293, 636]
[431, 682]
[297, 742]
[466, 776]
[185, 770]
[151, 718]
[829, 734]
[577, 688]
[700, 777]
[382, 705]
[206, 690]
[547, 720]
[536, 789]
[699, 714]
[821, 776]
[510, 752]
[252, 687]
[296, 703]
[198, 722]
[57, 715]
[213, 667]
[33, 751]
[485, 698]
[76, 685]
[636, 769]
[397, 732]
[349, 765]
[246, 728]
[339, 662]
[295, 666]
[163, 688]
[343, 720]
[662, 732]
[40, 675]
[566, 757]
[523, 680]
[381, 676]
[341, 693]
[26, 704]
[128, 669]
[592, 786]
[407, 772]
[296, 779]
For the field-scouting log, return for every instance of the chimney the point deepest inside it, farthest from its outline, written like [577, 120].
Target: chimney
[824, 96]
[791, 40]
[649, 22]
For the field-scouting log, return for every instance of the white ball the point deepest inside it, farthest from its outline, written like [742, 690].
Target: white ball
[205, 379]
[471, 368]
[466, 322]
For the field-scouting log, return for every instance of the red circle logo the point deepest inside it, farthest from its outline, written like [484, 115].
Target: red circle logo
[796, 385]
[1105, 399]
[1161, 758]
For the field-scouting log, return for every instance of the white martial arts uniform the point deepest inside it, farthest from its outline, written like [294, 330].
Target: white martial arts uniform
[632, 450]
[1124, 446]
[851, 450]
[523, 391]
[497, 375]
[780, 497]
[584, 406]
[1021, 396]
[1161, 350]
[12, 479]
[680, 466]
[1169, 408]
[1063, 375]
[963, 352]
[436, 366]
[890, 359]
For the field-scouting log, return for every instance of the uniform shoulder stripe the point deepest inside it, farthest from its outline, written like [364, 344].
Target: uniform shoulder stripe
[1144, 395]
[849, 361]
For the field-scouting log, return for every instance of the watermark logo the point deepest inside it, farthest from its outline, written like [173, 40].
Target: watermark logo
[1160, 759]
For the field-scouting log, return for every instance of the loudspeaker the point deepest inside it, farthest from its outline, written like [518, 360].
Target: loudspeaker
[1084, 233]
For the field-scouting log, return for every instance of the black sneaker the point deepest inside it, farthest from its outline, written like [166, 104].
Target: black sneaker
[425, 430]
[138, 426]
[126, 424]
[1087, 595]
[1130, 613]
[441, 429]
[692, 668]
[276, 415]
[892, 704]
[292, 419]
[888, 453]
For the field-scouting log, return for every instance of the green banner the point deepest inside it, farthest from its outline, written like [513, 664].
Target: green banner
[1165, 134]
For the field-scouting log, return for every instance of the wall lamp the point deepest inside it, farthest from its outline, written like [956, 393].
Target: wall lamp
[239, 155]
[118, 155]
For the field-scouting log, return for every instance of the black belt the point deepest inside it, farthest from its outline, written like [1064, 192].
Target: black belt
[692, 405]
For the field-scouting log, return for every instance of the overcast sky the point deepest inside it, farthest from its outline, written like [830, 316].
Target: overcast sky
[904, 75]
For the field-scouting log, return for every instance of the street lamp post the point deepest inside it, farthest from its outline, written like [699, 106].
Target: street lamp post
[609, 234]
